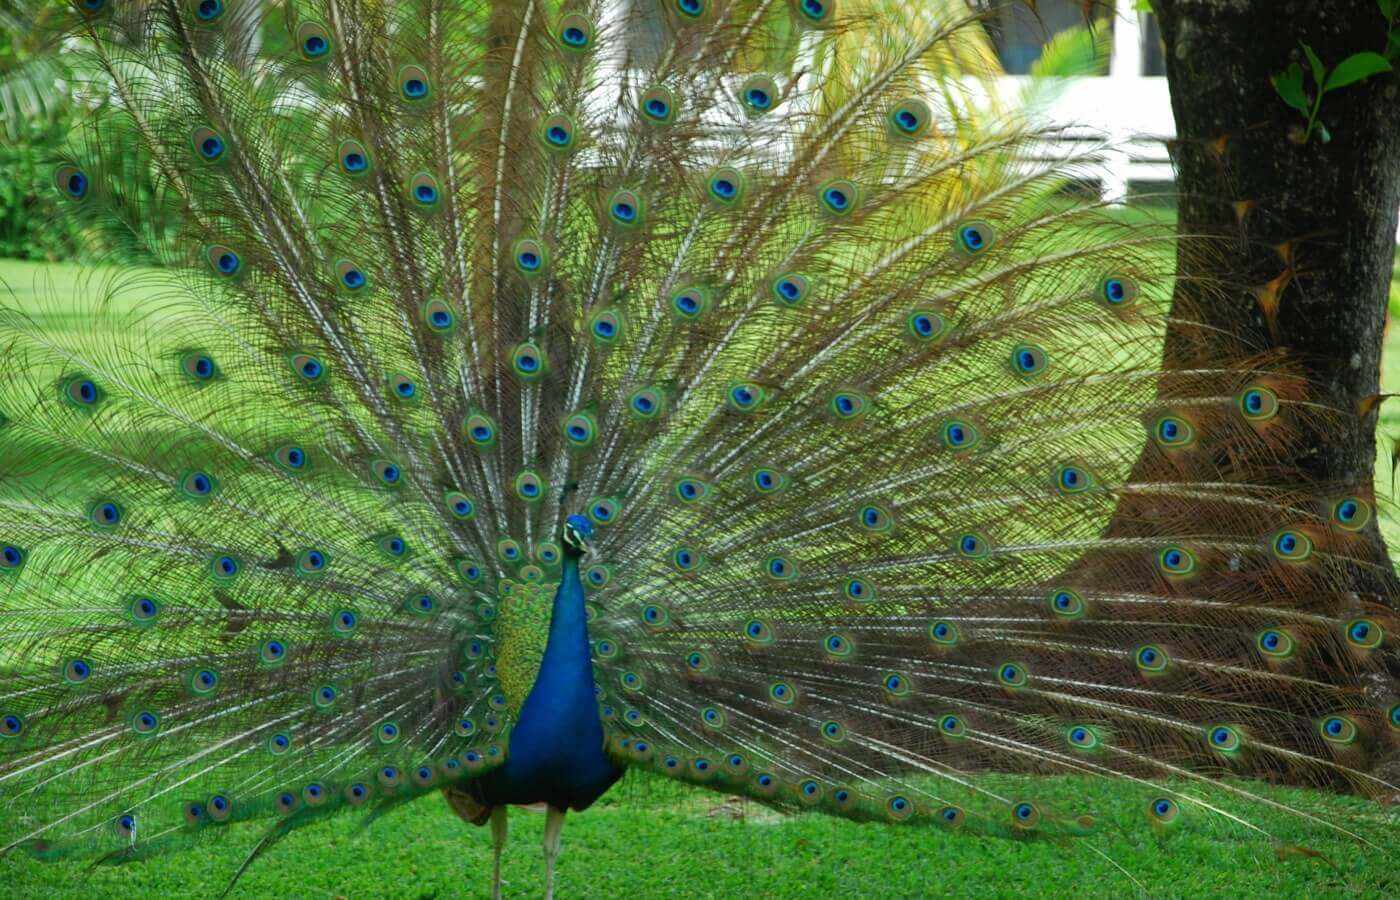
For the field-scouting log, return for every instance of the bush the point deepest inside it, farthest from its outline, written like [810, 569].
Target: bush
[32, 223]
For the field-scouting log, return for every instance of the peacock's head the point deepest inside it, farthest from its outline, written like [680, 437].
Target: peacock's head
[577, 533]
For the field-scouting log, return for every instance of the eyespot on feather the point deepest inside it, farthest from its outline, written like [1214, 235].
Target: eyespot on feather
[575, 33]
[657, 106]
[313, 41]
[815, 13]
[208, 144]
[72, 182]
[414, 84]
[758, 94]
[909, 119]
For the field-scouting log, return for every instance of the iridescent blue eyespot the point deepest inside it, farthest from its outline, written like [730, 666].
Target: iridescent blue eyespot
[1338, 730]
[1117, 291]
[71, 181]
[344, 621]
[814, 12]
[1351, 513]
[11, 558]
[1012, 675]
[909, 119]
[726, 185]
[1163, 810]
[859, 590]
[1275, 643]
[1364, 633]
[685, 559]
[1072, 479]
[413, 83]
[208, 144]
[1292, 546]
[203, 681]
[1028, 360]
[758, 94]
[557, 132]
[658, 106]
[1258, 404]
[1067, 604]
[837, 645]
[606, 326]
[1224, 738]
[313, 41]
[105, 514]
[80, 392]
[77, 671]
[943, 632]
[1082, 737]
[575, 32]
[209, 10]
[199, 367]
[973, 238]
[896, 684]
[1172, 432]
[973, 546]
[1176, 562]
[386, 471]
[324, 696]
[1152, 659]
[745, 396]
[1024, 815]
[756, 631]
[689, 489]
[959, 435]
[838, 198]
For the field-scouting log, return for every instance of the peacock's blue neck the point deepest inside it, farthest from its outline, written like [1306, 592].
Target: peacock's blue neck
[556, 748]
[566, 671]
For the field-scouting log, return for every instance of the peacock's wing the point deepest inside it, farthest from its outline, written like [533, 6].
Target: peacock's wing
[890, 485]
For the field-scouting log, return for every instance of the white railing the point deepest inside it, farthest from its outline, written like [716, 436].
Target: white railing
[1129, 110]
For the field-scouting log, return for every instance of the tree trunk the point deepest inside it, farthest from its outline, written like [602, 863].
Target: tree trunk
[1314, 222]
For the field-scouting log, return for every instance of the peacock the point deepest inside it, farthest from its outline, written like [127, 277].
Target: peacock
[543, 391]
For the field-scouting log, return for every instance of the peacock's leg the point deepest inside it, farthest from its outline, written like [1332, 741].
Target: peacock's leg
[498, 843]
[553, 826]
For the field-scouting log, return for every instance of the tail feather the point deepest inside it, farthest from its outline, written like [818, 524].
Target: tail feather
[894, 494]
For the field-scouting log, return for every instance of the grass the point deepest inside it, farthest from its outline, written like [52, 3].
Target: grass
[652, 838]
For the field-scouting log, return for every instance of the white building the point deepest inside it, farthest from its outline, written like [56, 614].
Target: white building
[1129, 105]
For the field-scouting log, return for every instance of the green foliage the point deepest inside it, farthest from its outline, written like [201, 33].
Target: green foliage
[1289, 84]
[33, 78]
[1391, 10]
[31, 224]
[1076, 52]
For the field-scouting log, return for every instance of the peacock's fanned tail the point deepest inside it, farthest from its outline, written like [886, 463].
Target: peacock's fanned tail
[890, 486]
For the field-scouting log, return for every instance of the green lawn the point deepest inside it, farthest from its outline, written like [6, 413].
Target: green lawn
[651, 838]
